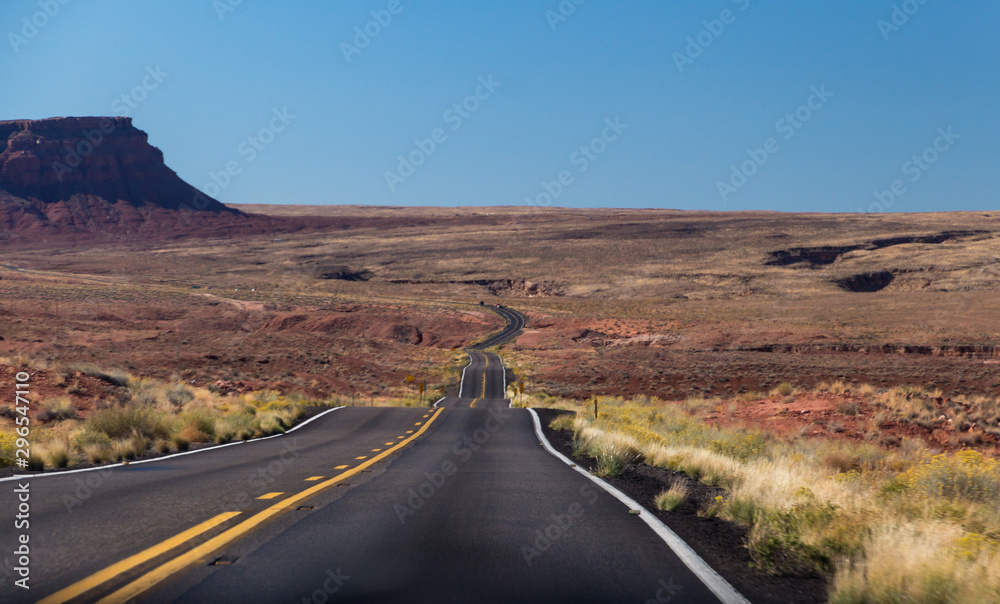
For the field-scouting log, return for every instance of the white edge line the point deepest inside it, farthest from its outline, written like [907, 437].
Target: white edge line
[439, 400]
[511, 403]
[162, 457]
[461, 384]
[719, 586]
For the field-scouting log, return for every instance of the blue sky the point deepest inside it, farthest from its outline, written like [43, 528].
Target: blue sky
[699, 92]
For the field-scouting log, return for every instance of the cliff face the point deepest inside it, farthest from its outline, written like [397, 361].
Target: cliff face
[90, 174]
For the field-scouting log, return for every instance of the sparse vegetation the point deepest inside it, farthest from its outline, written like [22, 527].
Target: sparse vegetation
[149, 415]
[886, 525]
[57, 410]
[673, 497]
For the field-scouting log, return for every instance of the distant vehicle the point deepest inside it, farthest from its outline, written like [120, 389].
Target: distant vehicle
[481, 303]
[499, 305]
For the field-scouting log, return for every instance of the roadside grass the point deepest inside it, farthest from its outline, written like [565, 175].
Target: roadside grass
[146, 415]
[885, 525]
[673, 497]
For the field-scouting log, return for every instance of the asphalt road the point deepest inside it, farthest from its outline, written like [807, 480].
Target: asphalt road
[515, 322]
[454, 504]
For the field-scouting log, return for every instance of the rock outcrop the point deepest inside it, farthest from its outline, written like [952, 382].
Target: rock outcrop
[97, 175]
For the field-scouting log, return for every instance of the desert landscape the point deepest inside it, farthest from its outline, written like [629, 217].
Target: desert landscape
[572, 303]
[663, 304]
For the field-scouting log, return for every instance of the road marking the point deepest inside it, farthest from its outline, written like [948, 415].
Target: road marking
[473, 403]
[404, 436]
[84, 585]
[409, 431]
[417, 424]
[390, 444]
[162, 458]
[271, 495]
[376, 450]
[712, 580]
[315, 478]
[202, 552]
[341, 467]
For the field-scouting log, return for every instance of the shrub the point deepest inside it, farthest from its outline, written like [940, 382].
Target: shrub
[783, 389]
[179, 394]
[563, 422]
[113, 377]
[238, 426]
[673, 497]
[740, 446]
[199, 421]
[97, 453]
[36, 463]
[56, 453]
[57, 410]
[191, 434]
[123, 449]
[848, 408]
[965, 475]
[120, 422]
[82, 439]
[7, 448]
[613, 455]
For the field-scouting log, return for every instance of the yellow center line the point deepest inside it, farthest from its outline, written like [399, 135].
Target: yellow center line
[389, 444]
[203, 551]
[376, 450]
[315, 478]
[409, 432]
[417, 424]
[362, 457]
[403, 436]
[271, 495]
[342, 467]
[131, 562]
[473, 404]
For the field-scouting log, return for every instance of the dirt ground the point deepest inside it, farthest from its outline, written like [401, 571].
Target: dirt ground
[661, 303]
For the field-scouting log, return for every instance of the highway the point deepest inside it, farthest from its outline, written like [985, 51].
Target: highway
[456, 503]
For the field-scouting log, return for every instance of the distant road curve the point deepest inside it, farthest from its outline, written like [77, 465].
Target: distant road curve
[515, 323]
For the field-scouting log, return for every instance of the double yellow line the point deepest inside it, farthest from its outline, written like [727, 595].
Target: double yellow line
[202, 552]
[483, 395]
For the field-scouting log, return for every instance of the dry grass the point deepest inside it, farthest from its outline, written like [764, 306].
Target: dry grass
[831, 507]
[151, 415]
[673, 497]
